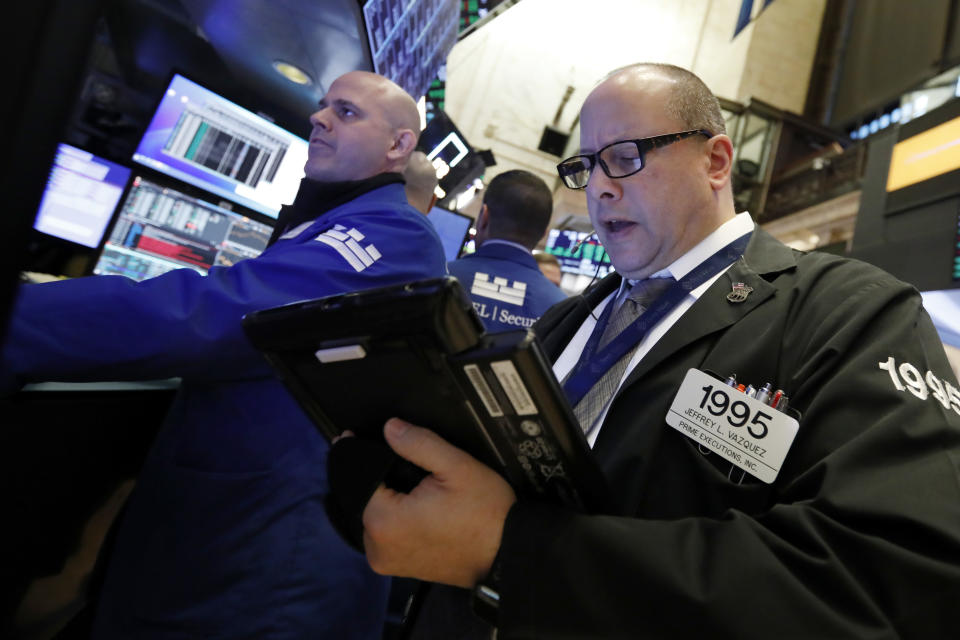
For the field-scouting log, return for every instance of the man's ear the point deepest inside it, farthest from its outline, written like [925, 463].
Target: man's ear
[719, 151]
[404, 143]
[483, 218]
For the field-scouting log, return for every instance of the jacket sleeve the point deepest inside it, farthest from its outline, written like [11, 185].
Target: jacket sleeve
[184, 324]
[863, 538]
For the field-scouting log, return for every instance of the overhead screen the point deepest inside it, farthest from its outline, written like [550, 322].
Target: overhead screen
[81, 195]
[457, 164]
[931, 153]
[956, 252]
[410, 39]
[205, 140]
[578, 253]
[159, 229]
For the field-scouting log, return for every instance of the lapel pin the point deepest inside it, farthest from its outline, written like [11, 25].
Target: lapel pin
[739, 293]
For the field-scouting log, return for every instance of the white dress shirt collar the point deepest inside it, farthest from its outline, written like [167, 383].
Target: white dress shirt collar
[722, 236]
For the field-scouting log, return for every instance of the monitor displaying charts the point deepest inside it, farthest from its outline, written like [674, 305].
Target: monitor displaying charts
[203, 139]
[159, 228]
[81, 195]
[578, 253]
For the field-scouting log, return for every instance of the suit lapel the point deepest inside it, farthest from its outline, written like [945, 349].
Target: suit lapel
[712, 311]
[558, 325]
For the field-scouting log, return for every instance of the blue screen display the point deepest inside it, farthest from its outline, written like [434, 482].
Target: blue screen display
[81, 195]
[452, 228]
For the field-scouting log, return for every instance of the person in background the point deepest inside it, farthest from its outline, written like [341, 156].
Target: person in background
[823, 503]
[421, 182]
[503, 280]
[226, 534]
[549, 266]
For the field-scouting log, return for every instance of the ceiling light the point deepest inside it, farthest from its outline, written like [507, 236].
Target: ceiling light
[292, 72]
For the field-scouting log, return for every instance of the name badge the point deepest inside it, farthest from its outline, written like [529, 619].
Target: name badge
[750, 434]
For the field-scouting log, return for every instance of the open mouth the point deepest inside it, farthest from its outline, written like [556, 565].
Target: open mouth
[615, 226]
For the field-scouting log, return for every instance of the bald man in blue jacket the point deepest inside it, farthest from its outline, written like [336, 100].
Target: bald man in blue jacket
[225, 535]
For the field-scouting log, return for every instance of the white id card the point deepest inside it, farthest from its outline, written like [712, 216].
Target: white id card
[750, 434]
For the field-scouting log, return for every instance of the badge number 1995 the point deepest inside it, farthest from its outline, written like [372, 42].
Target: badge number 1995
[750, 434]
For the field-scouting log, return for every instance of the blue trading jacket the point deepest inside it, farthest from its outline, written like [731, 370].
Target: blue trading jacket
[506, 286]
[226, 534]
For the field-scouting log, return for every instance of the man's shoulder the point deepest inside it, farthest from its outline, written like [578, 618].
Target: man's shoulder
[768, 255]
[384, 210]
[389, 199]
[473, 262]
[385, 207]
[498, 254]
[498, 266]
[374, 229]
[822, 270]
[835, 298]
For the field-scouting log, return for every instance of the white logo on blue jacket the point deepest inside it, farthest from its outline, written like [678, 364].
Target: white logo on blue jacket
[346, 242]
[499, 289]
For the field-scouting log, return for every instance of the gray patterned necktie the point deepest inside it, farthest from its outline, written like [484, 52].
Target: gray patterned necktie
[640, 297]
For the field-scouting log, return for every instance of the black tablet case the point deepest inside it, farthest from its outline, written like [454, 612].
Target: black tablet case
[418, 352]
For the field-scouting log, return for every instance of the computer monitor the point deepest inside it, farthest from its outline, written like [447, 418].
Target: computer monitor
[81, 195]
[456, 162]
[578, 253]
[159, 228]
[955, 274]
[410, 39]
[453, 229]
[203, 139]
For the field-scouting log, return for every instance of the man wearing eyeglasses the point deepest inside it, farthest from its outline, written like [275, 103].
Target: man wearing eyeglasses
[729, 520]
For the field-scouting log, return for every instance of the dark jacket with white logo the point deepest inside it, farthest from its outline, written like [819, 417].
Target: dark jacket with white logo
[506, 286]
[226, 535]
[858, 536]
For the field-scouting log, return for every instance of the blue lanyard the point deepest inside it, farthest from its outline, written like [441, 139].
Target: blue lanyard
[595, 362]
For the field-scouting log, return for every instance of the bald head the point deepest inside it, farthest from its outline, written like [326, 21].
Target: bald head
[365, 125]
[421, 178]
[399, 108]
[686, 98]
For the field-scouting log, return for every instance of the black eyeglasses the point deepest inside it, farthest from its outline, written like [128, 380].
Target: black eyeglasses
[619, 159]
